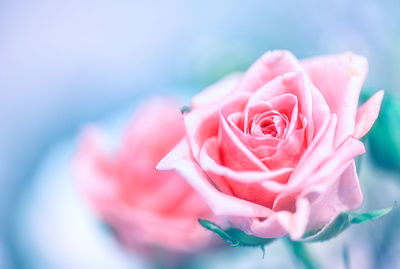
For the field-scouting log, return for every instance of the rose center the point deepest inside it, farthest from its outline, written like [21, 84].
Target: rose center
[269, 124]
[267, 127]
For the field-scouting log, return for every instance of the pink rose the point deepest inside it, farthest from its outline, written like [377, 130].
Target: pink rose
[142, 206]
[273, 150]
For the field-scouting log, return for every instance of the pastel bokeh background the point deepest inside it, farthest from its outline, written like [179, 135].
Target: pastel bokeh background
[66, 63]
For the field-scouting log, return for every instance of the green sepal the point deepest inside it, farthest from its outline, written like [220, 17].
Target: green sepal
[185, 109]
[236, 237]
[329, 231]
[341, 223]
[360, 218]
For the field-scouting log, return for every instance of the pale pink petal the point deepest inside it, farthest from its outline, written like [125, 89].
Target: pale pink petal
[367, 114]
[296, 223]
[201, 124]
[340, 195]
[339, 78]
[325, 180]
[284, 105]
[179, 159]
[350, 149]
[250, 141]
[321, 148]
[287, 153]
[156, 114]
[244, 184]
[264, 228]
[91, 168]
[283, 222]
[349, 192]
[216, 91]
[269, 66]
[165, 182]
[209, 163]
[290, 83]
[295, 83]
[311, 104]
[320, 167]
[208, 155]
[176, 232]
[235, 154]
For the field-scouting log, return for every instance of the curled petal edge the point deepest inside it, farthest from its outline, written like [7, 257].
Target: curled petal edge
[221, 204]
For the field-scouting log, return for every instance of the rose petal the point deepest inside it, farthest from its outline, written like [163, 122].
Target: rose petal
[293, 83]
[203, 122]
[244, 184]
[164, 182]
[209, 162]
[221, 204]
[250, 141]
[337, 163]
[321, 148]
[349, 191]
[283, 222]
[296, 223]
[264, 228]
[177, 232]
[319, 162]
[100, 177]
[311, 104]
[235, 154]
[287, 153]
[339, 78]
[209, 154]
[285, 104]
[341, 195]
[91, 167]
[367, 114]
[156, 114]
[269, 66]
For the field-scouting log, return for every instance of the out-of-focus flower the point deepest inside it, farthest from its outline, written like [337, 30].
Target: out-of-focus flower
[273, 150]
[144, 207]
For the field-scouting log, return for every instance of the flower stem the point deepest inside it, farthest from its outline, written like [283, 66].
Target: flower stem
[300, 252]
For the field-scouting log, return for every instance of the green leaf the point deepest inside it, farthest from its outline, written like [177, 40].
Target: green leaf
[236, 237]
[342, 222]
[360, 218]
[219, 231]
[248, 240]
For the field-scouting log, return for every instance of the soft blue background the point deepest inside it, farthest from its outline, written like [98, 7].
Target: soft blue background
[63, 63]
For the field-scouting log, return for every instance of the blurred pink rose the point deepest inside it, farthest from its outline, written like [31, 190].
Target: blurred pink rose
[142, 206]
[273, 149]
